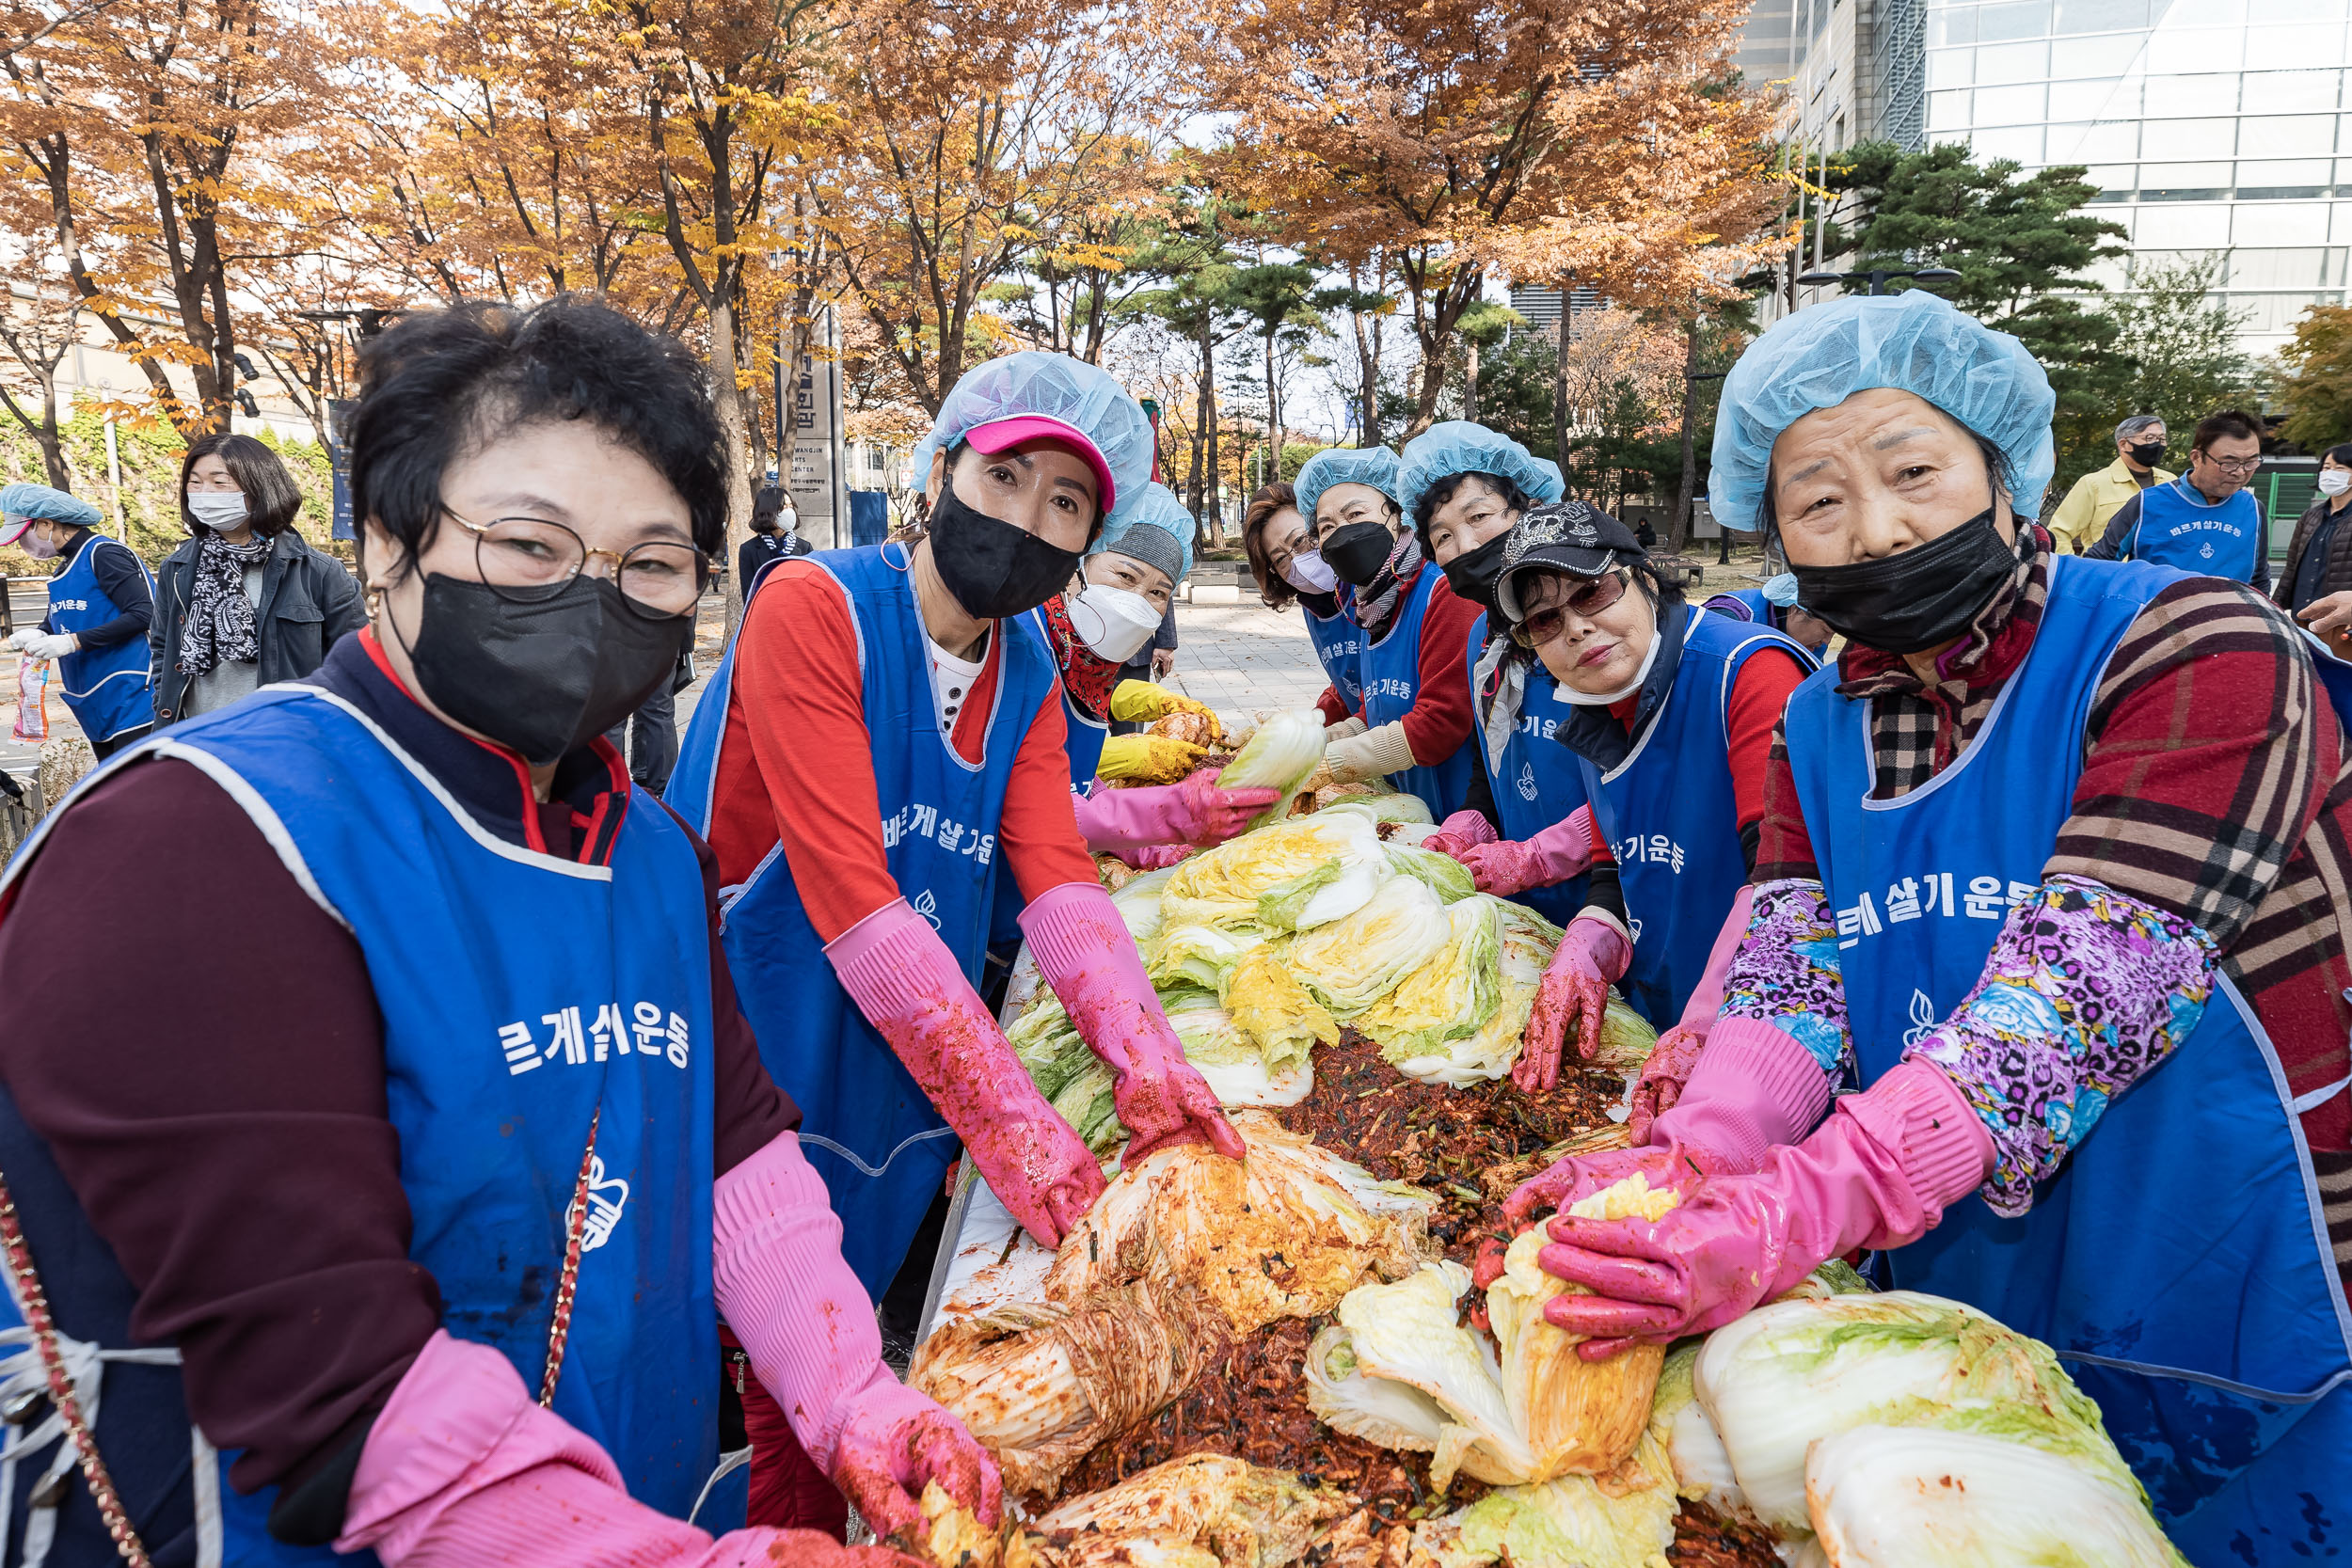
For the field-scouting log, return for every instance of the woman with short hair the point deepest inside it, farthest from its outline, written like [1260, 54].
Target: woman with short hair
[1289, 570]
[100, 604]
[246, 602]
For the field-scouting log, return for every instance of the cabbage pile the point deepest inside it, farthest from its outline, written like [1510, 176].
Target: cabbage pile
[1269, 944]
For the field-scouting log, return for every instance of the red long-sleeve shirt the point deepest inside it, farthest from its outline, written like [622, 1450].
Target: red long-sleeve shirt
[797, 767]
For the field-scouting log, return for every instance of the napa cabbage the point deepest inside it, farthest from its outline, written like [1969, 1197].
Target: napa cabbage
[1351, 964]
[1450, 995]
[1278, 754]
[1286, 878]
[1571, 1522]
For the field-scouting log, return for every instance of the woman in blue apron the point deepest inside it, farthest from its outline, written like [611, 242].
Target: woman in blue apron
[1668, 712]
[1414, 722]
[1130, 579]
[102, 602]
[1464, 487]
[1775, 604]
[472, 1149]
[1290, 570]
[871, 759]
[2077, 1115]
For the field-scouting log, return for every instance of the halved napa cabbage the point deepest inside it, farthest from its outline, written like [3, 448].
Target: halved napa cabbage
[1351, 964]
[1273, 1010]
[1238, 1073]
[1702, 1467]
[1517, 1408]
[1448, 877]
[1286, 878]
[1625, 1521]
[1386, 805]
[1790, 1374]
[1278, 754]
[1137, 901]
[1450, 995]
[1202, 956]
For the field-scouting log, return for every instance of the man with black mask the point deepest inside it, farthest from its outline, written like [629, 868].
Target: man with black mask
[2083, 516]
[878, 750]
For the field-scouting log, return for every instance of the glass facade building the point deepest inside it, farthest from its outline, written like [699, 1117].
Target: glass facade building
[2211, 127]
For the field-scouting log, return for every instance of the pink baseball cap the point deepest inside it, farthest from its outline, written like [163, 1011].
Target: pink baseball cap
[13, 528]
[998, 435]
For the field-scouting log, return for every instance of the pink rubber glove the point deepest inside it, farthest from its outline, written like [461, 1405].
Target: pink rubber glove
[1755, 1087]
[462, 1467]
[1592, 956]
[1086, 954]
[1158, 857]
[1561, 851]
[1115, 821]
[911, 989]
[1877, 1174]
[1677, 1053]
[1459, 832]
[1578, 1176]
[808, 1327]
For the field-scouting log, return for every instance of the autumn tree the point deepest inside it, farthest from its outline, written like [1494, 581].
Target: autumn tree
[2317, 387]
[977, 139]
[1539, 138]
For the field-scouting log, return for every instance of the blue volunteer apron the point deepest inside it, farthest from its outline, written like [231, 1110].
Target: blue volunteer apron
[520, 994]
[1391, 679]
[1537, 784]
[1672, 820]
[1340, 646]
[865, 1125]
[2179, 1262]
[1083, 743]
[2179, 528]
[107, 689]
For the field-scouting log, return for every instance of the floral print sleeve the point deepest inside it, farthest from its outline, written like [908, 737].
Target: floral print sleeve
[1786, 972]
[2087, 989]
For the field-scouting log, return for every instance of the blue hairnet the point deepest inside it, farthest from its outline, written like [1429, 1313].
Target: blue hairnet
[1154, 509]
[1459, 447]
[39, 500]
[1912, 342]
[1782, 590]
[1091, 400]
[1373, 466]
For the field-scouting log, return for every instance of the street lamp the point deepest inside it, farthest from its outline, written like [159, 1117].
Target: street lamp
[1877, 277]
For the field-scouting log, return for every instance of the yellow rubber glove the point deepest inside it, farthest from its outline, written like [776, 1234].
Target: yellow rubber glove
[1151, 759]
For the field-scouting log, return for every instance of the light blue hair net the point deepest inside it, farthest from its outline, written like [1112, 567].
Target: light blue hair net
[24, 499]
[1132, 529]
[1781, 589]
[1373, 466]
[1088, 399]
[1459, 447]
[1912, 342]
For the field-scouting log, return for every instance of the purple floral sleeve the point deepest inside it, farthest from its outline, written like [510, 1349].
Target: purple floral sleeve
[1786, 972]
[2086, 991]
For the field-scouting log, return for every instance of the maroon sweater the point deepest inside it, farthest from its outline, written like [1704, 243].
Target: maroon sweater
[205, 1058]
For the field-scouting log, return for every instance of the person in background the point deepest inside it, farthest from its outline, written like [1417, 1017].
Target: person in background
[2316, 585]
[1775, 604]
[2206, 522]
[101, 604]
[2081, 519]
[246, 602]
[2052, 865]
[1413, 722]
[1644, 536]
[773, 537]
[1288, 569]
[439, 1191]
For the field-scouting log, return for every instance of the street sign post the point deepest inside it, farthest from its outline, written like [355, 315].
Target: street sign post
[818, 477]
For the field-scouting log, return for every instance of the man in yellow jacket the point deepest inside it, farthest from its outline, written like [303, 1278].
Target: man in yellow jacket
[2082, 516]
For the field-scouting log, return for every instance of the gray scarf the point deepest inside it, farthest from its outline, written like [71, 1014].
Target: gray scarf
[1376, 600]
[1510, 690]
[220, 617]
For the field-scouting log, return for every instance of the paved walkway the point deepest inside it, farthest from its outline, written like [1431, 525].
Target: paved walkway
[1241, 658]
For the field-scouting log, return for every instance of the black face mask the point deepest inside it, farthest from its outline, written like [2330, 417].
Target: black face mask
[1903, 604]
[1472, 574]
[544, 678]
[1324, 604]
[2146, 454]
[1357, 551]
[993, 569]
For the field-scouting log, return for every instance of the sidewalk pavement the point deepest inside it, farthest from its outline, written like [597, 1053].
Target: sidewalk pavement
[1241, 658]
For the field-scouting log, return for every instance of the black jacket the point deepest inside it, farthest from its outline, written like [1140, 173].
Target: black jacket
[308, 601]
[2336, 575]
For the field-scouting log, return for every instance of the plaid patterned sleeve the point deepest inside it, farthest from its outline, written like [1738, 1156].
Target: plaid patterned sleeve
[1784, 850]
[2200, 772]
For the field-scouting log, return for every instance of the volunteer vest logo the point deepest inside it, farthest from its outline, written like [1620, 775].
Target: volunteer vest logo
[928, 822]
[1542, 729]
[607, 1197]
[1390, 686]
[1916, 898]
[2205, 550]
[1922, 1019]
[928, 906]
[1656, 848]
[1633, 929]
[645, 1030]
[1527, 781]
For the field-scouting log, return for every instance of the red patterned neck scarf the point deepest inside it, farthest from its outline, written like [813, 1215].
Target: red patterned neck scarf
[1087, 676]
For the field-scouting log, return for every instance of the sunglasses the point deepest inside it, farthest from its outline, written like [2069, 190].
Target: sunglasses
[1588, 600]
